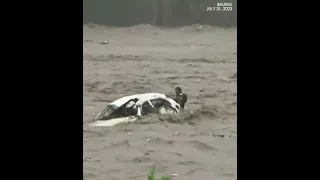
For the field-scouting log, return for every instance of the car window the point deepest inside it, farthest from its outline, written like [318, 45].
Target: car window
[158, 103]
[147, 108]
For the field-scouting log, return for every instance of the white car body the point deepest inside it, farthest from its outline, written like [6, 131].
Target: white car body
[104, 118]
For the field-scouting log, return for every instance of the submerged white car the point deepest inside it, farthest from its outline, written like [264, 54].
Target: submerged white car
[130, 108]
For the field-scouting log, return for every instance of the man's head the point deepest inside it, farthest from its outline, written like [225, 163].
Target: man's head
[178, 91]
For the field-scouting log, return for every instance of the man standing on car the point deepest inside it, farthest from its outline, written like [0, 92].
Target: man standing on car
[181, 98]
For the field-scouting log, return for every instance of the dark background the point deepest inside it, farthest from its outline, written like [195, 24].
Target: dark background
[157, 12]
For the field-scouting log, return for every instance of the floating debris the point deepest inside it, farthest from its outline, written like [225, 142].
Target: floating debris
[104, 42]
[174, 175]
[234, 76]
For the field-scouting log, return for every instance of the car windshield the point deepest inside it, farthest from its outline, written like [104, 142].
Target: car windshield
[107, 111]
[110, 108]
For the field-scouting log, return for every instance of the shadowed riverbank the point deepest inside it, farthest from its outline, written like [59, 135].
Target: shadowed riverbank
[157, 12]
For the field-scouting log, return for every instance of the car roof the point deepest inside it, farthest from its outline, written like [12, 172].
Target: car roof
[141, 97]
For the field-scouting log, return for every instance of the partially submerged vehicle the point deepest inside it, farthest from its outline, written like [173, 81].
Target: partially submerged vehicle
[131, 108]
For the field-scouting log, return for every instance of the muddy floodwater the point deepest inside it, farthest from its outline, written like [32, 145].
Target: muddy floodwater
[200, 143]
